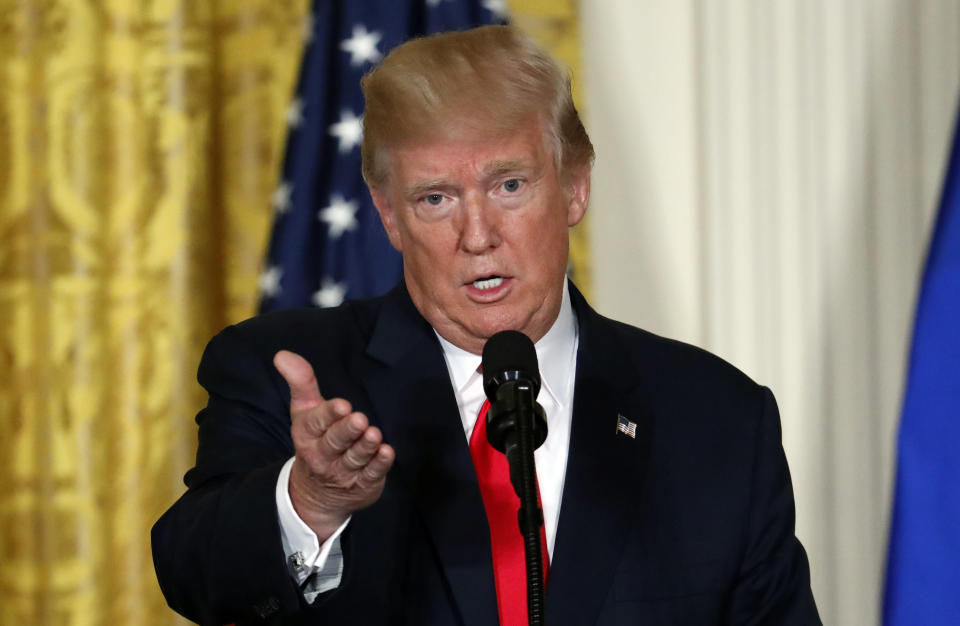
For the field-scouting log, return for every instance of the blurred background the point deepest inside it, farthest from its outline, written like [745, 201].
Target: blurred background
[765, 187]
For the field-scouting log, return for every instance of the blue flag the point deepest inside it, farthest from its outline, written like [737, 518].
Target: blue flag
[923, 569]
[327, 242]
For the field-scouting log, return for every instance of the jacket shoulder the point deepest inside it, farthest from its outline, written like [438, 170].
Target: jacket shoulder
[657, 362]
[328, 338]
[694, 392]
[350, 320]
[664, 359]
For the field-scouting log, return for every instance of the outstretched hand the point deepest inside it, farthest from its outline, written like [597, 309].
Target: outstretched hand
[341, 461]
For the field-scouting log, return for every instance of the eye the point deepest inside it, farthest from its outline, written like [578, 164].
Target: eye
[434, 205]
[511, 185]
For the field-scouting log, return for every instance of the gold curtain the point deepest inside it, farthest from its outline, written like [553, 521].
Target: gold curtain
[139, 143]
[139, 146]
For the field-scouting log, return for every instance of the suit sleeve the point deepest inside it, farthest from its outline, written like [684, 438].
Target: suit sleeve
[217, 550]
[774, 579]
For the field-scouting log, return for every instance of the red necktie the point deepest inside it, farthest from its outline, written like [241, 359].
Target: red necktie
[502, 503]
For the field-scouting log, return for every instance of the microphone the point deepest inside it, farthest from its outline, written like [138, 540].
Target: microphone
[511, 380]
[516, 426]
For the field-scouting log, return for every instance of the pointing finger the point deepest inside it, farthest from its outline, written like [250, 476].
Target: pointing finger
[345, 432]
[379, 465]
[360, 453]
[316, 422]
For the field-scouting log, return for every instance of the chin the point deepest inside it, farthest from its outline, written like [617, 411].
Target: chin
[494, 324]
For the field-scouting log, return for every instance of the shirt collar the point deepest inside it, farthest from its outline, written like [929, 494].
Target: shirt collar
[555, 355]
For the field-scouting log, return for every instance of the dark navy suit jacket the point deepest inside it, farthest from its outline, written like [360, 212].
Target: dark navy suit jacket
[691, 522]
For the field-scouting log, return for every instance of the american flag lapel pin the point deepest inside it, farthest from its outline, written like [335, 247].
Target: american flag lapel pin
[626, 427]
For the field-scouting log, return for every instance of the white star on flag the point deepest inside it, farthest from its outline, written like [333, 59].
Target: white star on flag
[269, 281]
[348, 131]
[340, 216]
[362, 46]
[433, 3]
[295, 113]
[331, 293]
[280, 200]
[497, 7]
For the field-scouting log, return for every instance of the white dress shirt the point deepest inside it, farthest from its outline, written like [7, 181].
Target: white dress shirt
[557, 358]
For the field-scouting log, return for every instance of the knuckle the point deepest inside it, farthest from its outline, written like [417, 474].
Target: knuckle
[339, 407]
[335, 444]
[317, 468]
[307, 425]
[351, 460]
[372, 472]
[365, 446]
[359, 421]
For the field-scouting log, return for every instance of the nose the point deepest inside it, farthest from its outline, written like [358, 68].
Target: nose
[479, 229]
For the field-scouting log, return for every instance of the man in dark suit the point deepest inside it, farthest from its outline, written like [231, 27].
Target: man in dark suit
[665, 490]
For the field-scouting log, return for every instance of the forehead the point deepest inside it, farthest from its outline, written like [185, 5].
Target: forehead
[469, 151]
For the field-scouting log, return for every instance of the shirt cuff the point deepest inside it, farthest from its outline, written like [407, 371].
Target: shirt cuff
[316, 567]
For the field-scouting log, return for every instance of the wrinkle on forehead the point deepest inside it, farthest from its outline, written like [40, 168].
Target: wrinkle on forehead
[466, 131]
[441, 165]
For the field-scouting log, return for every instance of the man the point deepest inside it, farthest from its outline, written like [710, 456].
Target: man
[665, 490]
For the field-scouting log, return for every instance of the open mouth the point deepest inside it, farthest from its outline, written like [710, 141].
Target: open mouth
[491, 282]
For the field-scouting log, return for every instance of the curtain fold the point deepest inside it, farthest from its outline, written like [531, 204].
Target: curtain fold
[767, 174]
[139, 143]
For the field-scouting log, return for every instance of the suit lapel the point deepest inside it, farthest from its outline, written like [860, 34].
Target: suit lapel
[407, 381]
[604, 472]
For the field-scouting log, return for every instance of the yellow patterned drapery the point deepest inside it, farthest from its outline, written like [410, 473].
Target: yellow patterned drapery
[139, 146]
[139, 143]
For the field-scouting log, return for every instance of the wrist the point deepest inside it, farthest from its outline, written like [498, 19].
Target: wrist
[322, 519]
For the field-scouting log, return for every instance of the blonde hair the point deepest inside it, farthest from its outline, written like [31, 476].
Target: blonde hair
[489, 80]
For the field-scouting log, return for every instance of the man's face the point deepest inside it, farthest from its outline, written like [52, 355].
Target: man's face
[482, 226]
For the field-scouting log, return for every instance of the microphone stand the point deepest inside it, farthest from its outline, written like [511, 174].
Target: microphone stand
[516, 426]
[523, 475]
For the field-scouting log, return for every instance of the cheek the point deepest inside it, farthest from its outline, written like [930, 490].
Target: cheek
[428, 249]
[552, 229]
[549, 254]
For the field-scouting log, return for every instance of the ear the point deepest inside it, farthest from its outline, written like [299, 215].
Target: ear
[578, 194]
[387, 217]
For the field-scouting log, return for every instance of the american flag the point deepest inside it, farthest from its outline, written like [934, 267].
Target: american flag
[626, 427]
[327, 242]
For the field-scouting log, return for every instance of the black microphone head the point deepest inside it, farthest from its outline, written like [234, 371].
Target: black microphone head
[509, 355]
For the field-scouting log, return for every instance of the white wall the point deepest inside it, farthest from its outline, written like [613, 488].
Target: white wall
[766, 179]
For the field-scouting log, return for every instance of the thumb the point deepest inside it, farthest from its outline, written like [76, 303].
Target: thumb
[304, 393]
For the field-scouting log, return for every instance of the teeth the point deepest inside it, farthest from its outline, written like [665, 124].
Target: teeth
[489, 283]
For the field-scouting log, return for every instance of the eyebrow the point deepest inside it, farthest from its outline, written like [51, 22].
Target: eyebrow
[423, 186]
[492, 170]
[498, 168]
